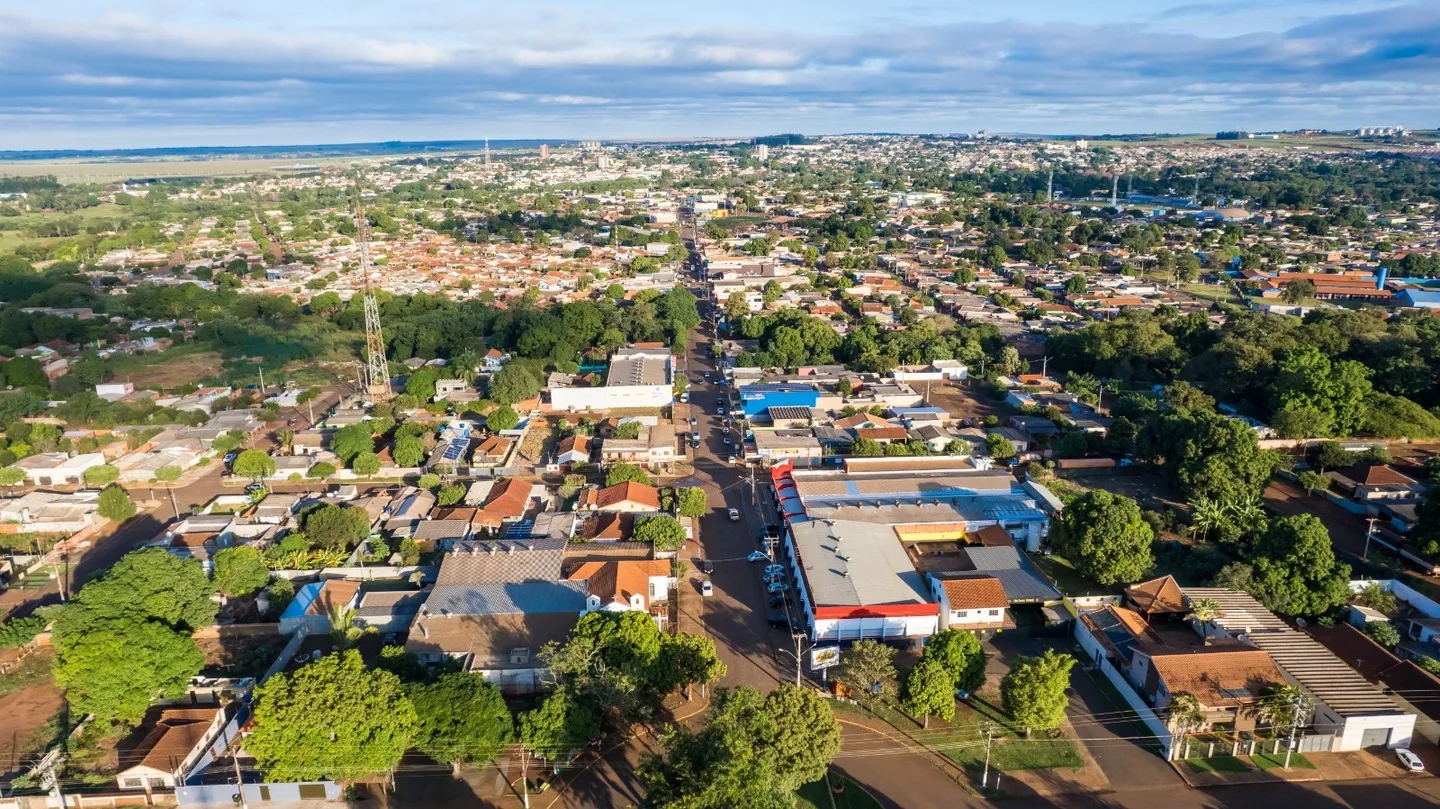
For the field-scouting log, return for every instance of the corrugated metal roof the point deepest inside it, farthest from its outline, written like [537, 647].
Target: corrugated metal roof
[1326, 677]
[498, 599]
[855, 564]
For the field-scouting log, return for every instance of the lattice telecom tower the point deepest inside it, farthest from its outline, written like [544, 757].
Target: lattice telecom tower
[377, 370]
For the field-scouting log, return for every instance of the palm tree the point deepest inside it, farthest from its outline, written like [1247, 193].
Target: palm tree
[1186, 714]
[286, 437]
[1205, 609]
[1282, 705]
[342, 625]
[1205, 516]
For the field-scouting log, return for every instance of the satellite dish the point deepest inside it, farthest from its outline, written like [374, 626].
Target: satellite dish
[1300, 622]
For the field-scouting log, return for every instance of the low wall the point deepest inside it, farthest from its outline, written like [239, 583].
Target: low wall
[1421, 602]
[236, 631]
[1145, 712]
[257, 794]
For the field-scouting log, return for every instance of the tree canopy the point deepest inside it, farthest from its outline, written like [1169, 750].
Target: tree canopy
[460, 717]
[334, 718]
[1033, 692]
[240, 571]
[1295, 571]
[1105, 537]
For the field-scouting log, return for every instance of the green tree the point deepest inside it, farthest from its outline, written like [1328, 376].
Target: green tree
[1105, 536]
[628, 430]
[664, 532]
[352, 440]
[1281, 705]
[11, 476]
[692, 502]
[254, 464]
[1312, 481]
[335, 526]
[1383, 633]
[929, 689]
[754, 751]
[321, 470]
[625, 473]
[736, 307]
[1295, 571]
[1209, 455]
[692, 660]
[560, 727]
[450, 495]
[126, 636]
[1318, 395]
[102, 475]
[513, 383]
[999, 447]
[169, 474]
[365, 464]
[429, 480]
[240, 571]
[868, 668]
[115, 504]
[961, 655]
[115, 669]
[503, 417]
[334, 718]
[1033, 692]
[409, 451]
[460, 717]
[421, 383]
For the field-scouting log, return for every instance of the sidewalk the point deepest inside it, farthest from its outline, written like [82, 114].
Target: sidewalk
[1357, 765]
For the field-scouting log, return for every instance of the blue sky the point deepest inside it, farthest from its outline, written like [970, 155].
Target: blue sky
[87, 74]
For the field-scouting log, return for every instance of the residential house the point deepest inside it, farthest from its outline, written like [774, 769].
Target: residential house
[974, 603]
[628, 496]
[508, 502]
[493, 451]
[1373, 482]
[573, 449]
[160, 755]
[622, 585]
[655, 448]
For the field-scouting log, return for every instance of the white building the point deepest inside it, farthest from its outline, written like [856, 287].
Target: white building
[641, 376]
[55, 468]
[854, 580]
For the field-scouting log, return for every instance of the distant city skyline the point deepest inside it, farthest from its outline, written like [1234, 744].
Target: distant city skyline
[84, 75]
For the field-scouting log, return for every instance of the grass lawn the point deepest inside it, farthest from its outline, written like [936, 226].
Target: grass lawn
[1267, 761]
[963, 739]
[817, 795]
[1217, 764]
[1068, 579]
[31, 671]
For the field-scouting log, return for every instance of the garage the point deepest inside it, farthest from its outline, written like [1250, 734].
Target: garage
[1375, 737]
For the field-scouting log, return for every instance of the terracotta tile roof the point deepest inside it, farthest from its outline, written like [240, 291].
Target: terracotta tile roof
[858, 419]
[175, 733]
[617, 581]
[882, 433]
[628, 492]
[993, 536]
[575, 443]
[1218, 675]
[974, 592]
[333, 593]
[495, 445]
[1160, 595]
[1377, 475]
[602, 527]
[508, 500]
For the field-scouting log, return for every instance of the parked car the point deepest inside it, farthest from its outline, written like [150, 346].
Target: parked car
[706, 588]
[695, 443]
[734, 515]
[776, 600]
[757, 556]
[728, 442]
[705, 566]
[777, 587]
[778, 619]
[720, 410]
[1409, 760]
[732, 459]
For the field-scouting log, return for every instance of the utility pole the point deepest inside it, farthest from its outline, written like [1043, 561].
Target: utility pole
[985, 775]
[50, 779]
[1299, 709]
[524, 778]
[235, 757]
[1050, 187]
[173, 504]
[1115, 190]
[1369, 532]
[1044, 366]
[262, 377]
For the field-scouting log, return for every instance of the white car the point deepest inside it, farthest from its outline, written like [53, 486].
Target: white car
[757, 556]
[706, 588]
[734, 515]
[1409, 760]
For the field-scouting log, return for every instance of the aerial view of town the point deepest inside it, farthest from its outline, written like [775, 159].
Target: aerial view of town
[726, 441]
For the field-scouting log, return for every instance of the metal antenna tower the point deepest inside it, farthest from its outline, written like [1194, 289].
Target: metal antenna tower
[377, 370]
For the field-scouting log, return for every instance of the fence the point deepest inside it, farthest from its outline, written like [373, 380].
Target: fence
[1127, 692]
[228, 794]
[288, 652]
